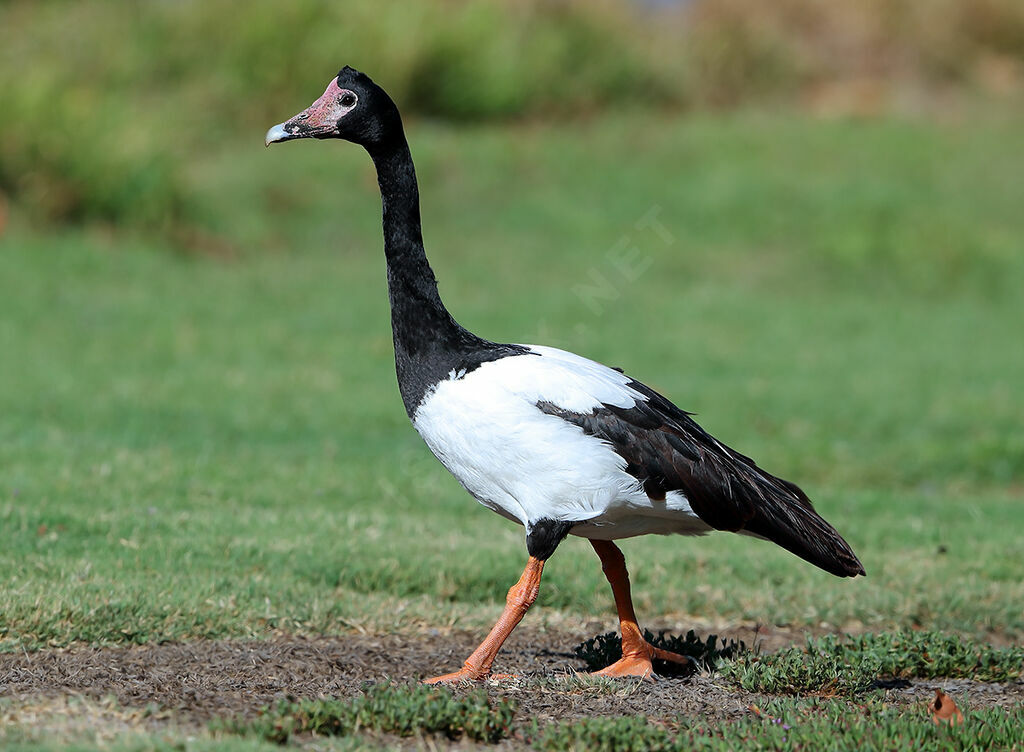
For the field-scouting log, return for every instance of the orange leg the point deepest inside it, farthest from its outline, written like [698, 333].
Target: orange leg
[636, 651]
[520, 597]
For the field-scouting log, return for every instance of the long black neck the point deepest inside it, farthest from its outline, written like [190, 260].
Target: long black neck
[417, 313]
[428, 341]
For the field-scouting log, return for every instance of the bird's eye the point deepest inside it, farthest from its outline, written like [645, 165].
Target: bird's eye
[303, 116]
[347, 99]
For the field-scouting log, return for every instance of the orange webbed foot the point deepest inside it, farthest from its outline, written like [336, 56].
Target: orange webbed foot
[456, 677]
[638, 662]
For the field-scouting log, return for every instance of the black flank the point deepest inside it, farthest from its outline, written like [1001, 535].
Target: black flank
[666, 450]
[544, 537]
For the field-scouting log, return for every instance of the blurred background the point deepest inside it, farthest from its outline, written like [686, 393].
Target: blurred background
[801, 219]
[107, 104]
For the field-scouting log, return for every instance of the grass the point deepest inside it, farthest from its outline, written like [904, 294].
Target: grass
[806, 724]
[819, 725]
[198, 447]
[213, 446]
[392, 709]
[387, 713]
[848, 666]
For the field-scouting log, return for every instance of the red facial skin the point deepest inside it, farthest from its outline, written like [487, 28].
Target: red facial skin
[321, 117]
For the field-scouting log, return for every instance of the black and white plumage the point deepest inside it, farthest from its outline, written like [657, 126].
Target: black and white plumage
[551, 440]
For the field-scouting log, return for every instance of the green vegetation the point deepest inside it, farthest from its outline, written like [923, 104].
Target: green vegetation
[101, 138]
[210, 444]
[209, 447]
[388, 713]
[854, 664]
[828, 665]
[829, 726]
[392, 709]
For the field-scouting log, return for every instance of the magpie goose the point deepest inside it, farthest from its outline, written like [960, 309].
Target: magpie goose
[551, 440]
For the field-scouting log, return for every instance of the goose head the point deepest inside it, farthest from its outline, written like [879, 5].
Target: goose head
[352, 108]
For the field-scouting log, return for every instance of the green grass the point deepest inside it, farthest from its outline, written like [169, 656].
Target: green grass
[391, 709]
[820, 725]
[385, 714]
[214, 447]
[848, 666]
[828, 724]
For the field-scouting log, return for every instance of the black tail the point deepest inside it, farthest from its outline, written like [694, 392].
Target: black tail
[789, 519]
[665, 450]
[730, 492]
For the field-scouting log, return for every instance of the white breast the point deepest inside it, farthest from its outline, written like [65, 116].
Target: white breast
[485, 427]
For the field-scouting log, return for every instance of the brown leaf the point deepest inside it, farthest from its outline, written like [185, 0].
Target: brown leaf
[944, 710]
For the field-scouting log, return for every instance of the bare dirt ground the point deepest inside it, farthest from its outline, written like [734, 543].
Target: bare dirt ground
[188, 684]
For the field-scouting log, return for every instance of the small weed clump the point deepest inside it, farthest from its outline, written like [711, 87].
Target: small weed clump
[855, 664]
[605, 649]
[393, 709]
[621, 734]
[931, 655]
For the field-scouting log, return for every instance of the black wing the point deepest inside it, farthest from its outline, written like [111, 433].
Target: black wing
[666, 450]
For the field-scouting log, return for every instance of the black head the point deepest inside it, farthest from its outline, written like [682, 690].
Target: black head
[353, 108]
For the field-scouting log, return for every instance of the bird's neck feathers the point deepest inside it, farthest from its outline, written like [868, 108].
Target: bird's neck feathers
[422, 326]
[403, 241]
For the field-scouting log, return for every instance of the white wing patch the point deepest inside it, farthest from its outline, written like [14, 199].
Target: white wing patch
[573, 382]
[485, 427]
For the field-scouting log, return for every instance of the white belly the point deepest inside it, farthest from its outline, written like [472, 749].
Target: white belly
[527, 465]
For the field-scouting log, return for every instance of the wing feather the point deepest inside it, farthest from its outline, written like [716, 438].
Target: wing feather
[666, 450]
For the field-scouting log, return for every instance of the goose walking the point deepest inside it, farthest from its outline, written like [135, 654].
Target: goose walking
[551, 440]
